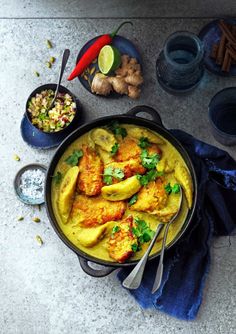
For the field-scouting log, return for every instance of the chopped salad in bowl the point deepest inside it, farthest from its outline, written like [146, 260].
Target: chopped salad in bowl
[56, 118]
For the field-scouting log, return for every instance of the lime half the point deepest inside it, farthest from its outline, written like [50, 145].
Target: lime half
[109, 59]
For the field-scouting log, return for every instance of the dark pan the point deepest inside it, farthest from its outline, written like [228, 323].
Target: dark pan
[130, 118]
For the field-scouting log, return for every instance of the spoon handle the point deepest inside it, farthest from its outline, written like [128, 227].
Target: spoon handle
[65, 58]
[159, 272]
[133, 280]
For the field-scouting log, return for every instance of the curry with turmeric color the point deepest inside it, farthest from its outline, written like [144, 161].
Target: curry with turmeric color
[114, 185]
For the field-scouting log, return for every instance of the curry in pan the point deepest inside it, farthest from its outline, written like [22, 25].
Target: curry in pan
[114, 185]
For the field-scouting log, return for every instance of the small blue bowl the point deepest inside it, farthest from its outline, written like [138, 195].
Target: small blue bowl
[37, 138]
[222, 116]
[17, 182]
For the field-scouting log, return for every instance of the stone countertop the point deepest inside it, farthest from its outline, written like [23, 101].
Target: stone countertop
[44, 290]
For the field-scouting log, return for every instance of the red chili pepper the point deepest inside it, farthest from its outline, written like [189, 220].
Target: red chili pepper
[93, 52]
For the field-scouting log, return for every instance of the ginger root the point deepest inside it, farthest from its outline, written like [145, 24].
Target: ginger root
[127, 80]
[119, 85]
[101, 85]
[134, 92]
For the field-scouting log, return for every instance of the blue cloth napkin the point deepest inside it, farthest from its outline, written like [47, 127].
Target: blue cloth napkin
[187, 263]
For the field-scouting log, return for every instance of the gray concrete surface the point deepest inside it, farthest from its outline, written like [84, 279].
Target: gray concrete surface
[43, 290]
[117, 8]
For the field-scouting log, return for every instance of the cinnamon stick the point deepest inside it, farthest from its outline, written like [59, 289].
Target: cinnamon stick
[231, 51]
[227, 62]
[227, 33]
[221, 49]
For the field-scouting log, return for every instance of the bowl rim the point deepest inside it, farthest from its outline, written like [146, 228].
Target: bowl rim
[49, 86]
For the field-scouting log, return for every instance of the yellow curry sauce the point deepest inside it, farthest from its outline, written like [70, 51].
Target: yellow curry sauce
[169, 159]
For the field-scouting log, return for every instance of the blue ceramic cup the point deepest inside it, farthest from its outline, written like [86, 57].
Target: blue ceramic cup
[180, 66]
[222, 116]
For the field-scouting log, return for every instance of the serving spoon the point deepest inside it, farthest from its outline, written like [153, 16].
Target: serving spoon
[159, 273]
[133, 280]
[65, 58]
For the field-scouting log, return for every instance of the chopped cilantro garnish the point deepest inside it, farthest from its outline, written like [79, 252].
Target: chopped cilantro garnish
[114, 149]
[117, 129]
[111, 172]
[107, 176]
[133, 199]
[134, 247]
[73, 159]
[175, 189]
[57, 177]
[144, 142]
[149, 161]
[115, 229]
[118, 173]
[151, 175]
[142, 231]
[107, 179]
[168, 188]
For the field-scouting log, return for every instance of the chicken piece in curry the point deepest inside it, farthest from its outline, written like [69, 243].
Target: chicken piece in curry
[117, 184]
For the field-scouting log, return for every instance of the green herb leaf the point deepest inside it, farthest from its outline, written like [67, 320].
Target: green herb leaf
[115, 229]
[144, 142]
[114, 149]
[142, 231]
[57, 177]
[117, 130]
[73, 159]
[151, 175]
[107, 179]
[133, 199]
[149, 161]
[118, 173]
[176, 188]
[134, 247]
[111, 172]
[136, 232]
[168, 188]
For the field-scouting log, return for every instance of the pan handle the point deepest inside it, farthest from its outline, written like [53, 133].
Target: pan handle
[94, 272]
[146, 109]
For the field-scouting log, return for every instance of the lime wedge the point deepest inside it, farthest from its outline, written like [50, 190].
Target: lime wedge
[109, 59]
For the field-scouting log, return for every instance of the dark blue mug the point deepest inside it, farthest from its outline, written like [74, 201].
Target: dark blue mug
[180, 66]
[222, 116]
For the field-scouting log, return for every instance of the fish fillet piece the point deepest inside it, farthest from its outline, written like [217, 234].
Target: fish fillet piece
[172, 205]
[154, 148]
[128, 149]
[90, 212]
[130, 168]
[121, 241]
[151, 197]
[91, 169]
